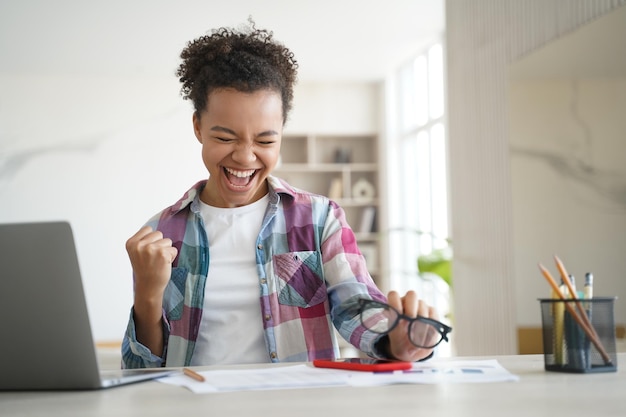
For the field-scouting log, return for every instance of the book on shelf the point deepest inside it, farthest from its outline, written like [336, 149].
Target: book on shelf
[335, 190]
[368, 217]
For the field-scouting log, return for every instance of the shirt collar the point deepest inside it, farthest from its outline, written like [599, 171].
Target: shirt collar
[277, 188]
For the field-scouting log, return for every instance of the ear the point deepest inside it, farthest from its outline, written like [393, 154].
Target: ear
[196, 126]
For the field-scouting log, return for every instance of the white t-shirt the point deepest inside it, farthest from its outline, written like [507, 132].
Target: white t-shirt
[231, 328]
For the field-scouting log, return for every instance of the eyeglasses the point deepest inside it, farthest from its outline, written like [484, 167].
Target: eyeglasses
[381, 318]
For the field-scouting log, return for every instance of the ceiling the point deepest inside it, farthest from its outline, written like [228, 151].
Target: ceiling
[358, 40]
[595, 50]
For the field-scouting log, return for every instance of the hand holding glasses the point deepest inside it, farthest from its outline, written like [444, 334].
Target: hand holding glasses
[382, 318]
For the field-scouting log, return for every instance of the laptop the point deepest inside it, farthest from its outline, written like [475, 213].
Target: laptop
[46, 340]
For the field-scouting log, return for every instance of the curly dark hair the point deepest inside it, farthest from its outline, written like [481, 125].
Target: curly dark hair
[247, 60]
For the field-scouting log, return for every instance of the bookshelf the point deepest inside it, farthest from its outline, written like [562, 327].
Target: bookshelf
[344, 167]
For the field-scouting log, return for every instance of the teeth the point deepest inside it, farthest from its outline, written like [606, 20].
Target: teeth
[240, 174]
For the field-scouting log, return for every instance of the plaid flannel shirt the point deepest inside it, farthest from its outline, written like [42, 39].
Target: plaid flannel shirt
[310, 270]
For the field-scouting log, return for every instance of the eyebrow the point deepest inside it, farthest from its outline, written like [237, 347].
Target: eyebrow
[223, 129]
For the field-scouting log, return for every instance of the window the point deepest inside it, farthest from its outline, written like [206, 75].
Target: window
[418, 191]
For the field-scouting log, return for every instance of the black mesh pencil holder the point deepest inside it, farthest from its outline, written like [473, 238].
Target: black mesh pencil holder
[569, 344]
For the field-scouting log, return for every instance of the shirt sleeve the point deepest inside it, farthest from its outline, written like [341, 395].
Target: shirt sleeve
[348, 280]
[136, 355]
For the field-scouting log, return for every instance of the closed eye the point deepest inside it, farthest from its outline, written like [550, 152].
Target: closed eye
[222, 139]
[267, 138]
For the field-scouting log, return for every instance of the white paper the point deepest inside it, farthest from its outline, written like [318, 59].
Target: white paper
[440, 372]
[307, 376]
[280, 377]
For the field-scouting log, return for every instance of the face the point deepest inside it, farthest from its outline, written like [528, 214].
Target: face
[240, 135]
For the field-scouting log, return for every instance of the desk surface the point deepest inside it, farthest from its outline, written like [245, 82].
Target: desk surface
[537, 393]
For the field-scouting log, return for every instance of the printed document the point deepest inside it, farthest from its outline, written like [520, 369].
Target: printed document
[306, 376]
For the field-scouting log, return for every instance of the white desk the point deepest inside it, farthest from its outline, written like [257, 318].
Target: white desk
[537, 393]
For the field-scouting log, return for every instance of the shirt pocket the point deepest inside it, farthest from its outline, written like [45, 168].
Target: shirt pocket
[300, 278]
[174, 295]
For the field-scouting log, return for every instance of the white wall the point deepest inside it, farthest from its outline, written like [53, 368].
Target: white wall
[336, 108]
[104, 154]
[107, 153]
[569, 186]
[484, 38]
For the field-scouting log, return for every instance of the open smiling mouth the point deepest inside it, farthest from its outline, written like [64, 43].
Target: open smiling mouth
[239, 178]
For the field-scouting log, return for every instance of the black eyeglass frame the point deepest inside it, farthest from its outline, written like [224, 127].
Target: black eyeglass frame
[442, 329]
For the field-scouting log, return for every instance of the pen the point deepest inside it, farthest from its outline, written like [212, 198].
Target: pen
[572, 280]
[570, 328]
[193, 374]
[588, 295]
[575, 339]
[588, 289]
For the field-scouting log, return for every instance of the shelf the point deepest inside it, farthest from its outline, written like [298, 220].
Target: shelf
[349, 202]
[346, 169]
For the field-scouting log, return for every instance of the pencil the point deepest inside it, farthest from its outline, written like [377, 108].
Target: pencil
[193, 374]
[589, 331]
[558, 312]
